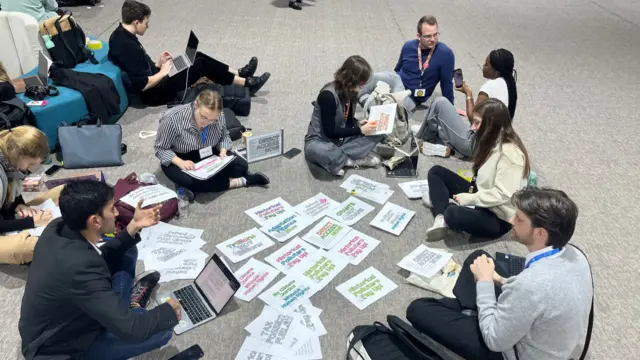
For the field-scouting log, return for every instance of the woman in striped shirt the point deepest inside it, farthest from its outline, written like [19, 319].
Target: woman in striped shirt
[191, 132]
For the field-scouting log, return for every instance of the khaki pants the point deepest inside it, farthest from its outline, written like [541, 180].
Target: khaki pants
[18, 248]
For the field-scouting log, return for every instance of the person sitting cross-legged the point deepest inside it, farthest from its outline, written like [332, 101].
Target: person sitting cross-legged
[540, 313]
[80, 300]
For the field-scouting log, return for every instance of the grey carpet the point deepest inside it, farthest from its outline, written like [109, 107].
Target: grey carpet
[577, 113]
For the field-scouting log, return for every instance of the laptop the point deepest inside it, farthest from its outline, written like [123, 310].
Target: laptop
[186, 60]
[204, 299]
[41, 79]
[409, 167]
[511, 264]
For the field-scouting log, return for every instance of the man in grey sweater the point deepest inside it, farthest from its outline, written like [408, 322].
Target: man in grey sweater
[541, 313]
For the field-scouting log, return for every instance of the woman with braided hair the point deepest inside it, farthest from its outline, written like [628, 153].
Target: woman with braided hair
[444, 125]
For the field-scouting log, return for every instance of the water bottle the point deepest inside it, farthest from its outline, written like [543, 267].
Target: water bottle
[183, 204]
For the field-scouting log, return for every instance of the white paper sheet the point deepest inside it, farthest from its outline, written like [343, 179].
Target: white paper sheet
[163, 234]
[279, 333]
[305, 307]
[311, 350]
[366, 288]
[425, 261]
[47, 205]
[254, 276]
[326, 233]
[245, 245]
[414, 189]
[288, 292]
[263, 213]
[187, 266]
[286, 225]
[251, 350]
[430, 149]
[367, 188]
[152, 194]
[315, 207]
[355, 246]
[392, 218]
[290, 255]
[209, 167]
[350, 211]
[321, 268]
[385, 116]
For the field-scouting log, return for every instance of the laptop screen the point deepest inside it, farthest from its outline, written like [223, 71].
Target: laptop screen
[217, 283]
[192, 47]
[43, 67]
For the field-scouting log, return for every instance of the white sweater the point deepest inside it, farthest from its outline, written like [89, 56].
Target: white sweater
[498, 179]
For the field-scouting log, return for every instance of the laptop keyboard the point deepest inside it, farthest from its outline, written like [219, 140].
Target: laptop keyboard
[192, 304]
[180, 63]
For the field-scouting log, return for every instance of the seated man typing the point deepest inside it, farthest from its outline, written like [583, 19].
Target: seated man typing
[150, 80]
[79, 302]
[541, 313]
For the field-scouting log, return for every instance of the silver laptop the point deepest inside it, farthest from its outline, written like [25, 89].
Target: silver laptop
[184, 61]
[42, 78]
[204, 300]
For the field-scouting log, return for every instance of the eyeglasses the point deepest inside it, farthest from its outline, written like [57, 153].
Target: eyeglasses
[430, 36]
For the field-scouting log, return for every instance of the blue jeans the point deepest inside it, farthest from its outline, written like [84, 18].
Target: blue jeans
[107, 346]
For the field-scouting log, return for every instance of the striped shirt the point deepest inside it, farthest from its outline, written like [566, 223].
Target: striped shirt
[179, 134]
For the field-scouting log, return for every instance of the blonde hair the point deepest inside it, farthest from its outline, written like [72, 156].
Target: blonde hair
[209, 99]
[25, 141]
[3, 73]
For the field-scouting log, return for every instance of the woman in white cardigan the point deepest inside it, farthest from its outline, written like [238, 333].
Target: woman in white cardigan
[483, 206]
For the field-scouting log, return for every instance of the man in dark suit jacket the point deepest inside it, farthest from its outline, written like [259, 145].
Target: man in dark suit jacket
[78, 301]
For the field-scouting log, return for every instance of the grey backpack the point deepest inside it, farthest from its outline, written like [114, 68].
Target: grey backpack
[381, 96]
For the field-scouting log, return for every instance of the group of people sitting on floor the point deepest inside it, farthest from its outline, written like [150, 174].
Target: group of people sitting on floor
[84, 302]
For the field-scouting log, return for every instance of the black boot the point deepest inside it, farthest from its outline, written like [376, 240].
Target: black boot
[249, 69]
[256, 179]
[255, 83]
[295, 5]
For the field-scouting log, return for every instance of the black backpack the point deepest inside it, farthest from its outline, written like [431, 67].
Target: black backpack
[15, 112]
[69, 47]
[399, 341]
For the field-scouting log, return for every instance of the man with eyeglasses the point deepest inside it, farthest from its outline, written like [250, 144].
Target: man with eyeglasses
[425, 62]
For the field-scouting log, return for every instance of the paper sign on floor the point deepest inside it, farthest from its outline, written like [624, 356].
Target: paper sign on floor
[291, 255]
[286, 293]
[315, 207]
[367, 188]
[425, 261]
[321, 268]
[414, 189]
[392, 218]
[355, 246]
[251, 350]
[366, 288]
[245, 245]
[269, 210]
[186, 266]
[254, 276]
[279, 333]
[326, 233]
[286, 225]
[350, 211]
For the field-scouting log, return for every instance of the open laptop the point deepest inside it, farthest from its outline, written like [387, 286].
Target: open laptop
[511, 264]
[184, 61]
[409, 167]
[41, 78]
[204, 299]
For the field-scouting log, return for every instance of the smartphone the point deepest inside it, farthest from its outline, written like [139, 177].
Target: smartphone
[291, 153]
[457, 78]
[52, 170]
[37, 103]
[192, 353]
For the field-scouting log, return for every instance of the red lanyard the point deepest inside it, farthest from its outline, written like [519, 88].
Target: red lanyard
[426, 63]
[347, 109]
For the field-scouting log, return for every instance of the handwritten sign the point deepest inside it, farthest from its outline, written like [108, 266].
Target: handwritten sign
[350, 211]
[392, 218]
[254, 276]
[326, 233]
[244, 245]
[268, 211]
[366, 288]
[286, 293]
[153, 194]
[322, 268]
[367, 188]
[286, 225]
[291, 255]
[414, 189]
[265, 146]
[315, 207]
[355, 246]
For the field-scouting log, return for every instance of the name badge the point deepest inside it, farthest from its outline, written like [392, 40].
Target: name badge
[420, 93]
[206, 152]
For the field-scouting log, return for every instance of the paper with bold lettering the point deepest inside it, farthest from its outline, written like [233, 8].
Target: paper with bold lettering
[315, 207]
[252, 350]
[414, 189]
[425, 261]
[254, 276]
[163, 234]
[350, 211]
[152, 194]
[326, 233]
[265, 146]
[392, 218]
[288, 292]
[290, 255]
[385, 116]
[305, 307]
[355, 246]
[366, 288]
[208, 167]
[286, 225]
[245, 245]
[367, 188]
[269, 210]
[321, 268]
[279, 333]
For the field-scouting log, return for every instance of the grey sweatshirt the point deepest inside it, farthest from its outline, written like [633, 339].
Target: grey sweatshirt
[544, 311]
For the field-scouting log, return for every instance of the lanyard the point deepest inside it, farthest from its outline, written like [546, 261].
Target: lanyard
[347, 108]
[541, 256]
[424, 66]
[204, 132]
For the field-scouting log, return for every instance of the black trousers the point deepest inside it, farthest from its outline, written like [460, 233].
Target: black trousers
[443, 320]
[169, 87]
[481, 222]
[219, 182]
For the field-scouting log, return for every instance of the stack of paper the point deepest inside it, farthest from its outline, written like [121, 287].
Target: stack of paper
[172, 250]
[209, 167]
[367, 188]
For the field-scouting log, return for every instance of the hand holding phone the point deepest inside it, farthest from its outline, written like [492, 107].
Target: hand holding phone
[458, 79]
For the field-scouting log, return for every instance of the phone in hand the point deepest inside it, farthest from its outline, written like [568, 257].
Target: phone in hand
[457, 78]
[52, 170]
[292, 153]
[192, 353]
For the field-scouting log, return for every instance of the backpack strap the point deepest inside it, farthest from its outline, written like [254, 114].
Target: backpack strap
[411, 337]
[365, 333]
[64, 41]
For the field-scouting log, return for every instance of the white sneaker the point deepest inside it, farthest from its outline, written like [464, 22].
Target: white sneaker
[372, 160]
[340, 173]
[438, 230]
[415, 129]
[426, 199]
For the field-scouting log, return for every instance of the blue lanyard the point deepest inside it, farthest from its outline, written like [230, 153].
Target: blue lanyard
[542, 256]
[204, 133]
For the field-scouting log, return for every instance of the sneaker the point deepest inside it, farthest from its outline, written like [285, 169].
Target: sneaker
[143, 287]
[340, 173]
[426, 199]
[438, 230]
[372, 160]
[415, 129]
